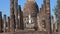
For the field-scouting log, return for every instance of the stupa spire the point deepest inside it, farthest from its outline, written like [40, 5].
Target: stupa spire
[31, 0]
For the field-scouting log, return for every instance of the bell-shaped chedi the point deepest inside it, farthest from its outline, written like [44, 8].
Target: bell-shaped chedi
[31, 0]
[30, 15]
[31, 6]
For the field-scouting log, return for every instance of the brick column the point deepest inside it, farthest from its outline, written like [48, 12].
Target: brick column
[19, 10]
[48, 17]
[1, 22]
[54, 27]
[39, 21]
[8, 24]
[58, 27]
[44, 16]
[4, 24]
[16, 12]
[20, 17]
[12, 16]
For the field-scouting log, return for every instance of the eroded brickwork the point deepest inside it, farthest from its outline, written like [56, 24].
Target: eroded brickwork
[30, 15]
[12, 16]
[4, 24]
[19, 10]
[20, 18]
[8, 25]
[16, 13]
[48, 16]
[41, 18]
[0, 22]
[30, 20]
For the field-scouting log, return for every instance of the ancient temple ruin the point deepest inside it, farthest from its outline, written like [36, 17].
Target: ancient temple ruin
[30, 15]
[30, 19]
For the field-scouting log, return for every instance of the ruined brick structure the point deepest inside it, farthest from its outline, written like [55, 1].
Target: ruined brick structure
[16, 13]
[44, 16]
[48, 16]
[0, 22]
[8, 25]
[30, 15]
[41, 18]
[12, 16]
[54, 28]
[19, 10]
[4, 24]
[20, 17]
[30, 19]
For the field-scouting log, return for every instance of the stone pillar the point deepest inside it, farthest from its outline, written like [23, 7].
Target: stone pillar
[8, 24]
[54, 28]
[36, 24]
[12, 16]
[43, 17]
[58, 27]
[48, 17]
[39, 20]
[16, 12]
[1, 22]
[5, 23]
[20, 17]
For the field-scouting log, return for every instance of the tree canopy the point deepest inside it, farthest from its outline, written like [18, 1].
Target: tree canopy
[57, 9]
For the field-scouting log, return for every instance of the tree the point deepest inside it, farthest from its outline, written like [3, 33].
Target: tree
[57, 13]
[57, 9]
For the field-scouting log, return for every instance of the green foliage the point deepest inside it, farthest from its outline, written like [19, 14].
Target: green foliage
[57, 9]
[58, 3]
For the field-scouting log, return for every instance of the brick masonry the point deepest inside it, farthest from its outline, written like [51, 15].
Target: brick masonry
[26, 22]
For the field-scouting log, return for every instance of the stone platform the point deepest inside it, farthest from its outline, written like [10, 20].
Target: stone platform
[29, 32]
[25, 32]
